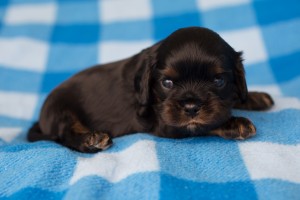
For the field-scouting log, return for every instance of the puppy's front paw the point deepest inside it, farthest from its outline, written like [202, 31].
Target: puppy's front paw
[261, 101]
[96, 141]
[238, 128]
[256, 101]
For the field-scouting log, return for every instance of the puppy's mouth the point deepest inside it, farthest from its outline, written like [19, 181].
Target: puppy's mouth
[210, 115]
[193, 124]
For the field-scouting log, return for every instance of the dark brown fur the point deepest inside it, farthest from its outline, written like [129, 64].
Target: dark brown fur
[128, 96]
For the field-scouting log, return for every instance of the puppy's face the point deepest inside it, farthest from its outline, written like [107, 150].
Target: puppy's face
[196, 80]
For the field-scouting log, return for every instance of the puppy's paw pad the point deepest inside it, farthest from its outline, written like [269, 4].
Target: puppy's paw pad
[245, 129]
[97, 142]
[239, 129]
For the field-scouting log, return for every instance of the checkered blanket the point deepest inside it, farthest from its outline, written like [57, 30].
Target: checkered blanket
[43, 42]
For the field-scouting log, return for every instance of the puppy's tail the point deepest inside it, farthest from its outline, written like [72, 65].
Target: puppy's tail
[35, 133]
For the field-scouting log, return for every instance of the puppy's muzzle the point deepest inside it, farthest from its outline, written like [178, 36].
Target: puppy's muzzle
[191, 109]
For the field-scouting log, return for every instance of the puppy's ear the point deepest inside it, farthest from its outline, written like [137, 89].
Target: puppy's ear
[142, 81]
[240, 80]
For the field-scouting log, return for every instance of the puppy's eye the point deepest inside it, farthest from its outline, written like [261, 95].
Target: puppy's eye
[167, 83]
[219, 81]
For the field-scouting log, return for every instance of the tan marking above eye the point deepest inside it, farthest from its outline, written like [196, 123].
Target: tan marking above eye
[170, 72]
[219, 70]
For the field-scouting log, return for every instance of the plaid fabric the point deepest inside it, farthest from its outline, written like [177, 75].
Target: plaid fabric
[43, 42]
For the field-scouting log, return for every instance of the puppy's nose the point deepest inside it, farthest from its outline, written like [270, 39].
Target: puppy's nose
[191, 109]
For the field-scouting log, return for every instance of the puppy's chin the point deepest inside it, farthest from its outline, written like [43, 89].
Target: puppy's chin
[211, 115]
[192, 126]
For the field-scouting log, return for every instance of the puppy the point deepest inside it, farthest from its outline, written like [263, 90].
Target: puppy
[184, 86]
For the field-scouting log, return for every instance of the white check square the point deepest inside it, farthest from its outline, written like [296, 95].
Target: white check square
[273, 90]
[140, 157]
[28, 14]
[120, 10]
[8, 134]
[249, 41]
[17, 105]
[23, 53]
[115, 50]
[211, 4]
[272, 161]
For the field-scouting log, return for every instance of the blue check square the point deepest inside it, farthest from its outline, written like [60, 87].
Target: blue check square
[76, 33]
[40, 31]
[193, 152]
[20, 80]
[277, 45]
[128, 30]
[82, 56]
[229, 18]
[3, 3]
[163, 26]
[174, 188]
[53, 79]
[280, 64]
[163, 8]
[77, 12]
[276, 11]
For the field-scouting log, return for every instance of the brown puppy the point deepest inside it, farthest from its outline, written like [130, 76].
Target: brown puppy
[185, 85]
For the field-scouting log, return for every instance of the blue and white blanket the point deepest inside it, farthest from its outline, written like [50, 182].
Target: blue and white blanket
[43, 42]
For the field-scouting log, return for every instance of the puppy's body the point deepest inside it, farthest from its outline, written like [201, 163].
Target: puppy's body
[96, 98]
[182, 86]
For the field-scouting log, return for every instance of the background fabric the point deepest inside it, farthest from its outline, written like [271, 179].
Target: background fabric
[43, 42]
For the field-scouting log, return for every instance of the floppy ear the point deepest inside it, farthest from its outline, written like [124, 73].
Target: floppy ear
[142, 81]
[240, 80]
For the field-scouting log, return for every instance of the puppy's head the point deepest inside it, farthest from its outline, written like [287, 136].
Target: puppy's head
[194, 79]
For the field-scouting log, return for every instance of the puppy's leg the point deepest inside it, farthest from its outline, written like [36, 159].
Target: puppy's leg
[82, 139]
[235, 128]
[256, 101]
[75, 135]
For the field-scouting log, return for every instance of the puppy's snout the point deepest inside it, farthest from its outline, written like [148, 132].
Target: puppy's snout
[191, 109]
